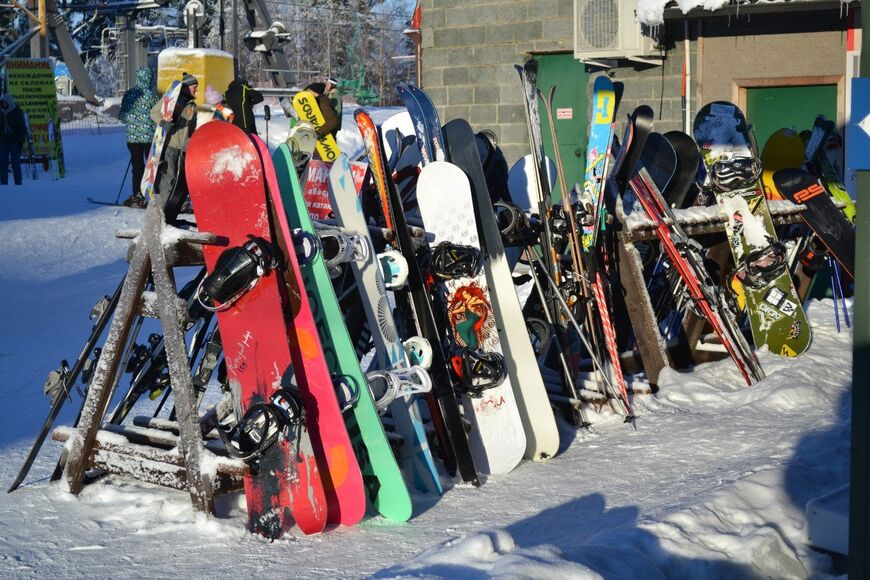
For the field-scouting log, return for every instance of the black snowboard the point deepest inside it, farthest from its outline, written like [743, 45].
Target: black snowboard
[821, 215]
[681, 193]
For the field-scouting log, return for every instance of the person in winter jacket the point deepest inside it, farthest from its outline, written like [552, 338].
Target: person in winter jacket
[170, 186]
[334, 97]
[241, 98]
[135, 113]
[13, 134]
[331, 121]
[216, 101]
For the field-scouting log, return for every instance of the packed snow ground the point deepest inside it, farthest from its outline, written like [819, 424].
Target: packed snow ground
[713, 483]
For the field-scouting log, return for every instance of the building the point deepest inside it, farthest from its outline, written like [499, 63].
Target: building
[782, 62]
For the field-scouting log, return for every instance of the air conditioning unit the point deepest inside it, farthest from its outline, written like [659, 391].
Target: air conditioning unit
[607, 30]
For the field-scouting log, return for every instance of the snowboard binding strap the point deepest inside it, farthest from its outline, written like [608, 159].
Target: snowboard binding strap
[387, 386]
[763, 266]
[478, 371]
[262, 425]
[347, 392]
[419, 351]
[736, 173]
[450, 261]
[236, 272]
[307, 246]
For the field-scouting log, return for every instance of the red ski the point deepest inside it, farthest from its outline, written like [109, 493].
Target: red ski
[228, 192]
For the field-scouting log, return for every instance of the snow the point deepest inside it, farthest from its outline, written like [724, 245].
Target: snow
[713, 483]
[652, 12]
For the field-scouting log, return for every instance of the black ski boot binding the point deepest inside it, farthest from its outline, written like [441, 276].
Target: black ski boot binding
[449, 261]
[478, 371]
[262, 425]
[736, 173]
[237, 271]
[764, 266]
[516, 228]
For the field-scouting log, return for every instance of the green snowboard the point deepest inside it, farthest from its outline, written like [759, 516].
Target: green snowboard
[775, 312]
[381, 474]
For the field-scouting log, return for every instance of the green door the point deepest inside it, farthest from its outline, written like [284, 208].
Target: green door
[569, 107]
[769, 109]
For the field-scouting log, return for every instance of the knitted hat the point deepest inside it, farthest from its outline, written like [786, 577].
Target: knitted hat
[189, 80]
[332, 80]
[212, 97]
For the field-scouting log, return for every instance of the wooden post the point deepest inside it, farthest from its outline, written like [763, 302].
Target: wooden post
[640, 311]
[173, 316]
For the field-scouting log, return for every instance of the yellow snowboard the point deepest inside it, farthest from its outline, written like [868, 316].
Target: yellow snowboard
[783, 150]
[305, 105]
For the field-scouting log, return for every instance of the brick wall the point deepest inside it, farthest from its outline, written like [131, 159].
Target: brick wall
[470, 47]
[469, 52]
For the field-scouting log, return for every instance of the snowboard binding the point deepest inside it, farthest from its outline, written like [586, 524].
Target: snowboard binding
[236, 272]
[517, 230]
[449, 261]
[262, 425]
[387, 386]
[763, 266]
[394, 269]
[478, 371]
[341, 248]
[735, 173]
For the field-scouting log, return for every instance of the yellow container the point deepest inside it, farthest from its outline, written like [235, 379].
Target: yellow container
[210, 67]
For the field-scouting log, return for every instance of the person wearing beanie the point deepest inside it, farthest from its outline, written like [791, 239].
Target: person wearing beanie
[331, 120]
[241, 98]
[135, 114]
[217, 103]
[334, 94]
[170, 186]
[13, 134]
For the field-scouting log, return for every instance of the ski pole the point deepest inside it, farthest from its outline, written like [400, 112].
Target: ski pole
[267, 115]
[834, 291]
[123, 181]
[838, 278]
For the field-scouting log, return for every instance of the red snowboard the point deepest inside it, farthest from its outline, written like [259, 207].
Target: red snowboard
[228, 192]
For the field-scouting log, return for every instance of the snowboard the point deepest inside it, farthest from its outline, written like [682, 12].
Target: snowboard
[390, 353]
[342, 478]
[539, 423]
[381, 475]
[158, 143]
[302, 140]
[681, 192]
[821, 215]
[824, 155]
[497, 438]
[776, 316]
[784, 149]
[305, 105]
[228, 194]
[416, 312]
